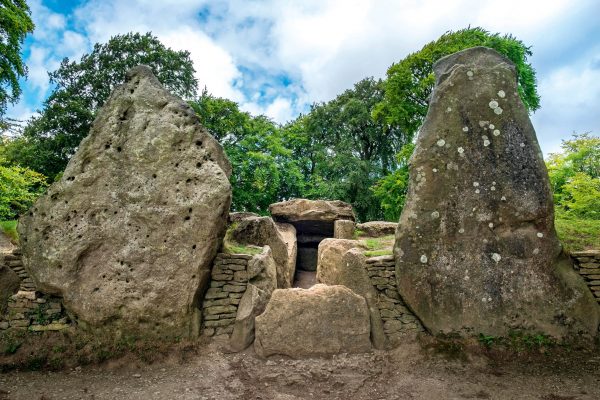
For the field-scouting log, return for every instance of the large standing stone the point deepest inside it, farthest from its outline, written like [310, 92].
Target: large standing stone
[288, 233]
[476, 251]
[342, 262]
[127, 236]
[312, 322]
[262, 231]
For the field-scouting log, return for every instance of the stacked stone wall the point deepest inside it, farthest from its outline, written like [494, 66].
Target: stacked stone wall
[587, 263]
[29, 309]
[398, 320]
[229, 279]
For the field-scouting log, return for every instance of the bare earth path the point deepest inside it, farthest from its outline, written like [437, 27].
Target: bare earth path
[406, 373]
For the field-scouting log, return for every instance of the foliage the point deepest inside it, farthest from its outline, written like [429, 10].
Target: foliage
[10, 228]
[409, 85]
[82, 87]
[264, 171]
[19, 187]
[392, 189]
[575, 177]
[577, 234]
[343, 151]
[410, 81]
[15, 24]
[518, 341]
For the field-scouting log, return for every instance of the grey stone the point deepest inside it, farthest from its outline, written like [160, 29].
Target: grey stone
[9, 285]
[252, 304]
[377, 228]
[318, 321]
[476, 250]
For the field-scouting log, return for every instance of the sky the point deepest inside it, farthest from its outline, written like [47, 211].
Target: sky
[276, 57]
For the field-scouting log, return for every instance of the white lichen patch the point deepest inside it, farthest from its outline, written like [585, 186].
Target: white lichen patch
[477, 191]
[536, 251]
[493, 104]
[496, 132]
[465, 129]
[460, 150]
[435, 170]
[461, 230]
[486, 143]
[498, 110]
[503, 198]
[449, 109]
[470, 74]
[482, 124]
[522, 145]
[493, 188]
[492, 126]
[441, 142]
[475, 184]
[540, 235]
[435, 215]
[491, 224]
[424, 259]
[501, 94]
[496, 257]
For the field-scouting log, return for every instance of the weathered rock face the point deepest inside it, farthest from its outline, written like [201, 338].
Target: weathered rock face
[288, 233]
[127, 236]
[319, 321]
[9, 285]
[262, 231]
[339, 265]
[343, 229]
[476, 250]
[238, 216]
[252, 304]
[6, 245]
[377, 228]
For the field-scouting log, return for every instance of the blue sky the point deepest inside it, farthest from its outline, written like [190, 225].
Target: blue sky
[276, 57]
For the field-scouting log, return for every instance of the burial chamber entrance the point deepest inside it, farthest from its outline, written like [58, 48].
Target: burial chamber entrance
[308, 235]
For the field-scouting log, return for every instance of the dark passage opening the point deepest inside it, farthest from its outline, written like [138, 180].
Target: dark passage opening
[309, 234]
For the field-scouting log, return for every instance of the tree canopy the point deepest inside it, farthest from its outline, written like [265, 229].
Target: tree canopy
[82, 87]
[15, 24]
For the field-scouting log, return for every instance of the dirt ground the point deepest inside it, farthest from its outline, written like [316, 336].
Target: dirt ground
[410, 372]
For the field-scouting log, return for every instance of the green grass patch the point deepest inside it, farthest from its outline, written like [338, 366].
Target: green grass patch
[578, 234]
[358, 233]
[10, 228]
[236, 248]
[377, 253]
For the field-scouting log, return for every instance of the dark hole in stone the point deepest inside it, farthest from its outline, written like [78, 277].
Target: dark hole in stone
[194, 247]
[199, 143]
[187, 218]
[119, 149]
[309, 235]
[154, 176]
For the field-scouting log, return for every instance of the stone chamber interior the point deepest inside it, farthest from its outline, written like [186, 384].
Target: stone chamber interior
[309, 235]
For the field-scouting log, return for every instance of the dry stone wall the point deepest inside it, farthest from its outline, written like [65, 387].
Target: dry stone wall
[398, 320]
[587, 263]
[227, 286]
[29, 309]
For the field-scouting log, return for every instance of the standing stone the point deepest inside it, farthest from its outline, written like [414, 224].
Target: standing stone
[377, 228]
[476, 251]
[262, 231]
[252, 304]
[128, 234]
[343, 229]
[322, 320]
[288, 233]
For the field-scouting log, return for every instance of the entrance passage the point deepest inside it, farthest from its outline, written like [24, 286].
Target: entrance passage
[309, 234]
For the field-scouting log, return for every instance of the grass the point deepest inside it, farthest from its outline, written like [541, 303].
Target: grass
[377, 253]
[236, 248]
[10, 228]
[381, 246]
[578, 234]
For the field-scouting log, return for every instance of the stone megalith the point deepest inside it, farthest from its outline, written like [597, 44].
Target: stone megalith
[128, 234]
[476, 251]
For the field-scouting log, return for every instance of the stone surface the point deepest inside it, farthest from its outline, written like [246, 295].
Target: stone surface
[6, 245]
[262, 231]
[9, 285]
[288, 233]
[311, 210]
[322, 320]
[377, 228]
[251, 305]
[339, 265]
[476, 251]
[238, 216]
[128, 234]
[343, 229]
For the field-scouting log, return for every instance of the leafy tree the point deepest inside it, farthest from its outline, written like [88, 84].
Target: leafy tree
[343, 151]
[82, 87]
[264, 171]
[409, 85]
[575, 177]
[410, 81]
[19, 187]
[15, 24]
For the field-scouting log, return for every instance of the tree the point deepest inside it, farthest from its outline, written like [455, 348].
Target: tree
[15, 24]
[575, 177]
[343, 151]
[410, 81]
[82, 87]
[408, 88]
[264, 171]
[19, 187]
